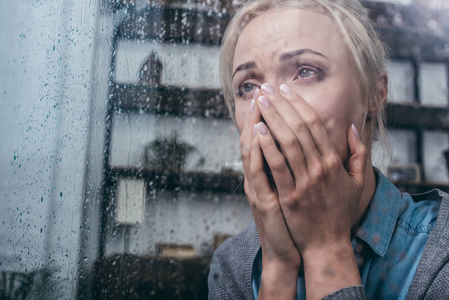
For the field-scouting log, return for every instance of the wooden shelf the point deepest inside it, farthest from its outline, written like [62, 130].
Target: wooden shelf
[414, 116]
[226, 182]
[179, 101]
[174, 25]
[407, 40]
[127, 276]
[170, 100]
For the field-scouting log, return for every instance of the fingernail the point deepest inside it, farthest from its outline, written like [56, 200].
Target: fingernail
[355, 131]
[252, 105]
[267, 89]
[285, 89]
[264, 101]
[262, 128]
[254, 130]
[256, 94]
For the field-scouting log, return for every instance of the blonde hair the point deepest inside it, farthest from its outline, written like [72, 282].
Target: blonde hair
[366, 50]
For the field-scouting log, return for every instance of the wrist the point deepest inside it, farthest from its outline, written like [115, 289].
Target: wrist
[339, 249]
[278, 281]
[328, 269]
[280, 272]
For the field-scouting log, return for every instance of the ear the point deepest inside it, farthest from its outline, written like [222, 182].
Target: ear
[381, 95]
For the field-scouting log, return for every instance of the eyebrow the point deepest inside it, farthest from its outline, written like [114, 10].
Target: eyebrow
[284, 57]
[288, 55]
[245, 66]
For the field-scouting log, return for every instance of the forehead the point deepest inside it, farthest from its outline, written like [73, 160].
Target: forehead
[282, 30]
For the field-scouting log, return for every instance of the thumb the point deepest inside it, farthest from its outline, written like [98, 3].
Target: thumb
[358, 155]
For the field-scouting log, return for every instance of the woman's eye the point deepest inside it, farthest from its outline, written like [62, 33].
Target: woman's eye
[246, 90]
[248, 87]
[306, 73]
[309, 73]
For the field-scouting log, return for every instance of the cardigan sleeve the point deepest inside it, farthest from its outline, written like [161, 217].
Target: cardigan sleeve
[218, 281]
[432, 276]
[231, 267]
[224, 285]
[230, 271]
[438, 288]
[350, 293]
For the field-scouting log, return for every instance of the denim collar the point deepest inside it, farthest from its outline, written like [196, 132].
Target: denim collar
[381, 216]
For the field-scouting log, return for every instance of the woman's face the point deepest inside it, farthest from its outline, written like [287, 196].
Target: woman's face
[305, 50]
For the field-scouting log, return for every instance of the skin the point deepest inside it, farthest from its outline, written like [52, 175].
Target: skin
[323, 177]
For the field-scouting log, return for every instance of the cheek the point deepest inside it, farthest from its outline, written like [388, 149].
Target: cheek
[335, 107]
[337, 110]
[241, 114]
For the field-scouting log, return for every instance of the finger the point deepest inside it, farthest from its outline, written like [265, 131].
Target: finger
[358, 155]
[265, 205]
[246, 135]
[281, 173]
[290, 130]
[311, 119]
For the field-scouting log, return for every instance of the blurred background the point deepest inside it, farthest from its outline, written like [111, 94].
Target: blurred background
[120, 168]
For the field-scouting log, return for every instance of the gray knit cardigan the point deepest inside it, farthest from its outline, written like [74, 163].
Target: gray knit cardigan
[231, 266]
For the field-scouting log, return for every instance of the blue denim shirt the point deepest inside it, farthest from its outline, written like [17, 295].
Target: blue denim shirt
[389, 243]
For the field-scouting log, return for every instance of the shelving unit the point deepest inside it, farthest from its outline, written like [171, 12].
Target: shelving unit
[227, 182]
[172, 26]
[187, 27]
[182, 26]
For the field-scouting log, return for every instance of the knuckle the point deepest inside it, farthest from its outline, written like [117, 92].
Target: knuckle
[242, 141]
[363, 150]
[253, 206]
[290, 200]
[313, 121]
[302, 186]
[268, 205]
[253, 170]
[290, 141]
[246, 187]
[245, 153]
[333, 161]
[362, 185]
[244, 149]
[319, 171]
[299, 125]
[277, 164]
[257, 172]
[271, 198]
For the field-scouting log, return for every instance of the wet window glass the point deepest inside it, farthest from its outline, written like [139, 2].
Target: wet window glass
[120, 165]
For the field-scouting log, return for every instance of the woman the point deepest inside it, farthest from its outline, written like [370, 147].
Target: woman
[304, 78]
